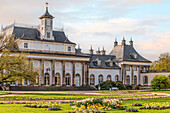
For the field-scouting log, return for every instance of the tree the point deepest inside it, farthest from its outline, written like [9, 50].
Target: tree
[159, 82]
[14, 66]
[162, 64]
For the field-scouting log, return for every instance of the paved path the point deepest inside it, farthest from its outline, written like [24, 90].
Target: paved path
[161, 94]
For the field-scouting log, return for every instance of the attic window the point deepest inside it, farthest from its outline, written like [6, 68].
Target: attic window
[99, 62]
[111, 63]
[69, 48]
[48, 34]
[25, 45]
[134, 56]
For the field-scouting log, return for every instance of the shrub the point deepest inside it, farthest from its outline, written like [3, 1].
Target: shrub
[106, 85]
[120, 85]
[128, 87]
[159, 82]
[137, 87]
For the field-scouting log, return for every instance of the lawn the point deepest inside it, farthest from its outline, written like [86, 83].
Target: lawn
[4, 93]
[68, 96]
[158, 91]
[18, 108]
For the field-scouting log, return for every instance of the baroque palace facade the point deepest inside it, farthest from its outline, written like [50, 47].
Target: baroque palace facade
[60, 64]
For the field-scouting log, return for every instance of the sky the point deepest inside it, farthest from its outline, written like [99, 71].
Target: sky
[99, 22]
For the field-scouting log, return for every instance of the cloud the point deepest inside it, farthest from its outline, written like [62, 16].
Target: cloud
[94, 22]
[139, 2]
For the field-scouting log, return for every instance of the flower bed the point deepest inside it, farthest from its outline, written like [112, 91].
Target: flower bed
[49, 105]
[136, 104]
[131, 110]
[157, 106]
[97, 105]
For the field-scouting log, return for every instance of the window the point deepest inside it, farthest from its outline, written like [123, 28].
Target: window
[92, 79]
[69, 48]
[48, 34]
[111, 63]
[48, 69]
[47, 79]
[109, 77]
[127, 68]
[99, 62]
[67, 80]
[134, 68]
[135, 80]
[77, 80]
[116, 78]
[100, 78]
[25, 45]
[128, 79]
[57, 79]
[145, 80]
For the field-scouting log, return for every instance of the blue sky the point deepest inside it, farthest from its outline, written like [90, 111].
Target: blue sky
[98, 22]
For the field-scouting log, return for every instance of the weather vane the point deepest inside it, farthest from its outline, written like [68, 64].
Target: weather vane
[46, 5]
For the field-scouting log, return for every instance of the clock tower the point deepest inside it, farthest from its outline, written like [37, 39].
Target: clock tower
[46, 25]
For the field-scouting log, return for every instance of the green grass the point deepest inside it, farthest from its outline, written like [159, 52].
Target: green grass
[18, 108]
[66, 96]
[126, 92]
[158, 91]
[4, 93]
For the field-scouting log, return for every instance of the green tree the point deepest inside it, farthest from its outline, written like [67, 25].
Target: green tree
[162, 64]
[14, 66]
[159, 82]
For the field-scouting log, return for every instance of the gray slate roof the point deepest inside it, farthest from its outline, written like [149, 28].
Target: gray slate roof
[104, 61]
[127, 53]
[34, 34]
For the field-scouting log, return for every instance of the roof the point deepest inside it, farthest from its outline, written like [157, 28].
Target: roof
[46, 14]
[77, 54]
[105, 61]
[127, 53]
[26, 33]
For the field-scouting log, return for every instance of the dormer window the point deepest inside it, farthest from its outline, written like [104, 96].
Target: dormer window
[69, 48]
[48, 34]
[111, 63]
[99, 62]
[25, 45]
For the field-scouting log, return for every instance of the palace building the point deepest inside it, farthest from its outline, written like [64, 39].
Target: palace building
[61, 64]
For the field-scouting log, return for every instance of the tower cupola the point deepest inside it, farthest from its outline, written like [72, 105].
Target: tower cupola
[103, 51]
[46, 25]
[131, 42]
[98, 51]
[115, 43]
[123, 41]
[91, 50]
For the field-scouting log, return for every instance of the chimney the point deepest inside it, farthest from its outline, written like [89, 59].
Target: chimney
[98, 52]
[131, 42]
[79, 48]
[115, 43]
[123, 41]
[91, 50]
[103, 52]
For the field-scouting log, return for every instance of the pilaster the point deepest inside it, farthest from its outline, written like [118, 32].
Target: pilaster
[42, 72]
[64, 81]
